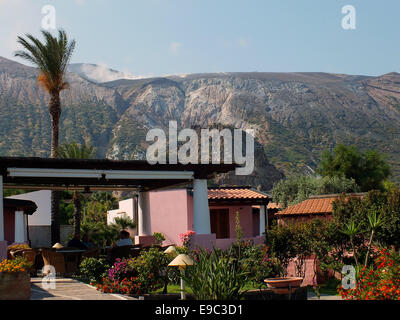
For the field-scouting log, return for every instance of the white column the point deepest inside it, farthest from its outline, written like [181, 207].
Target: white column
[25, 227]
[144, 214]
[1, 210]
[262, 219]
[201, 211]
[19, 236]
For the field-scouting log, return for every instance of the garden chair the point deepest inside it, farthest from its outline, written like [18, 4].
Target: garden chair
[91, 253]
[55, 259]
[120, 252]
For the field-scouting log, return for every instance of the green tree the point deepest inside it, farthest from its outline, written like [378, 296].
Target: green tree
[368, 221]
[94, 218]
[51, 58]
[299, 188]
[76, 151]
[369, 169]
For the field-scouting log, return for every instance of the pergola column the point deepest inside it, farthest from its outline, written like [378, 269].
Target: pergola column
[262, 219]
[1, 210]
[201, 211]
[19, 235]
[3, 244]
[144, 236]
[144, 214]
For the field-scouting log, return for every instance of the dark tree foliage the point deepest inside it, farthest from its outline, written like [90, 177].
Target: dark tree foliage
[369, 169]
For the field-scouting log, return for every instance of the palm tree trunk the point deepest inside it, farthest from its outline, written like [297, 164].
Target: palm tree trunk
[55, 112]
[55, 217]
[77, 215]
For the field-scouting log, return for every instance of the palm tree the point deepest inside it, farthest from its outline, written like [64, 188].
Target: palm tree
[125, 222]
[76, 151]
[51, 58]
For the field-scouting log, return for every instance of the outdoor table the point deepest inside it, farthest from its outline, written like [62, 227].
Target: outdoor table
[72, 258]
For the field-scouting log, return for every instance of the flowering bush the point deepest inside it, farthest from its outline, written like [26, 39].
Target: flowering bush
[185, 238]
[119, 270]
[380, 282]
[143, 274]
[16, 265]
[18, 246]
[129, 285]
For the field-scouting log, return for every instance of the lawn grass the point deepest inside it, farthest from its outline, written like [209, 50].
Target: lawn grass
[176, 288]
[329, 288]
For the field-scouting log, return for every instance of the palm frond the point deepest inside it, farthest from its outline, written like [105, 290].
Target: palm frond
[74, 150]
[51, 57]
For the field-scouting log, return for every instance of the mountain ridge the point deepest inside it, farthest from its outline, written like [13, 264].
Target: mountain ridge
[295, 115]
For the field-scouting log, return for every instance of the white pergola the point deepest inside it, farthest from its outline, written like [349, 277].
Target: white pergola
[106, 175]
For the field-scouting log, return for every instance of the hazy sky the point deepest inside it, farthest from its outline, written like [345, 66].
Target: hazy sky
[157, 37]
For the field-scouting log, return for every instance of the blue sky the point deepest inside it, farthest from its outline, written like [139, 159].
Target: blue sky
[158, 37]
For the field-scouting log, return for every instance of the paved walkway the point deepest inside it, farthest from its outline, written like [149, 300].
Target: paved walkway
[70, 289]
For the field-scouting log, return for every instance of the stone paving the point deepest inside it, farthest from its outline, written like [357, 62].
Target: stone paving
[70, 289]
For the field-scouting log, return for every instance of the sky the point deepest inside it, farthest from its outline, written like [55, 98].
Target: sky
[163, 37]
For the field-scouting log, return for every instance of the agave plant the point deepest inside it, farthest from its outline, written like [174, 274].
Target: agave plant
[375, 221]
[352, 229]
[216, 276]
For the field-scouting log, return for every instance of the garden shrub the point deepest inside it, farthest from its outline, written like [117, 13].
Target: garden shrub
[140, 275]
[367, 222]
[159, 237]
[257, 260]
[301, 240]
[140, 284]
[94, 269]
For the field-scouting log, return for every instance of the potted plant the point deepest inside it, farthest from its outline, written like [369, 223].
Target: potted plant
[14, 279]
[284, 285]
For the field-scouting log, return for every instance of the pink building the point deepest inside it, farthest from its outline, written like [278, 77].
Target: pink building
[171, 212]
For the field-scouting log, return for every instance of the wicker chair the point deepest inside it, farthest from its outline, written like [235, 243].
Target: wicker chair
[55, 259]
[91, 253]
[120, 252]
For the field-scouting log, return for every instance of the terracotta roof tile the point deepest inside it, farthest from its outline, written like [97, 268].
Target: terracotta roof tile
[273, 205]
[235, 193]
[310, 206]
[314, 205]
